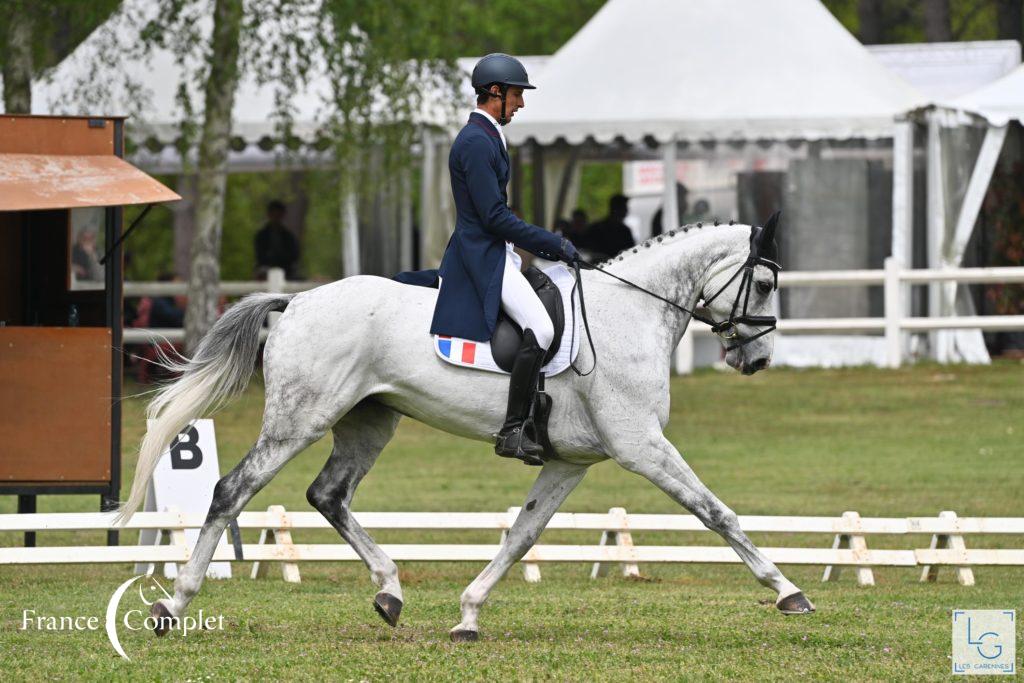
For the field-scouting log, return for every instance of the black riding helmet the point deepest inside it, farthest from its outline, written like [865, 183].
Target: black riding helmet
[501, 70]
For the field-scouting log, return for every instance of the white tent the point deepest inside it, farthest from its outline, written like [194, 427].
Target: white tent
[965, 138]
[998, 102]
[713, 70]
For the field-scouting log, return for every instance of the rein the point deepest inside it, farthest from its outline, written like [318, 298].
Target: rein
[721, 328]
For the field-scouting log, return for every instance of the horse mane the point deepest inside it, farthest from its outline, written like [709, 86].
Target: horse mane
[671, 236]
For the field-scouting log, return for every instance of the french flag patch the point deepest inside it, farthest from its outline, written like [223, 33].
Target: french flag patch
[461, 351]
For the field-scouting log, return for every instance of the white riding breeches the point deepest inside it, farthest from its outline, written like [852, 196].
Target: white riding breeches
[521, 303]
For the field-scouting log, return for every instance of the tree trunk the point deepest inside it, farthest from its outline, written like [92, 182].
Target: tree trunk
[219, 98]
[17, 63]
[1010, 18]
[184, 224]
[937, 26]
[869, 13]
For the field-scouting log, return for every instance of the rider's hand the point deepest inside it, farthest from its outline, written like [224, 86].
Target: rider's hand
[569, 253]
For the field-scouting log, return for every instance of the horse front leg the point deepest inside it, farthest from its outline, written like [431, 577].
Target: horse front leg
[554, 483]
[660, 462]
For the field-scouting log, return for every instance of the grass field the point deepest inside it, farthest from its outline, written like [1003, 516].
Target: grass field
[907, 442]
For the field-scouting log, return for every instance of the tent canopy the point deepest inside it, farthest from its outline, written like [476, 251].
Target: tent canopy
[999, 101]
[712, 70]
[106, 72]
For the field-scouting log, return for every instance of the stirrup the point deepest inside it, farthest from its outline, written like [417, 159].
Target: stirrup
[516, 443]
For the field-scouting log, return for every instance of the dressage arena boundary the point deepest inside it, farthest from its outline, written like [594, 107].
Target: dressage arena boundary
[948, 547]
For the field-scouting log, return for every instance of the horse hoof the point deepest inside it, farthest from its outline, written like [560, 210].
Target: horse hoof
[388, 607]
[797, 603]
[460, 635]
[164, 621]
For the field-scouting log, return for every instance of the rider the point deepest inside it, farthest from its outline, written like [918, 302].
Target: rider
[480, 270]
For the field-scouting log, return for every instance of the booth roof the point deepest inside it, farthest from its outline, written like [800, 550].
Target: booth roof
[999, 101]
[65, 181]
[712, 70]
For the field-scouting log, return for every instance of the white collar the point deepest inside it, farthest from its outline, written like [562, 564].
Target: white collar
[494, 121]
[490, 118]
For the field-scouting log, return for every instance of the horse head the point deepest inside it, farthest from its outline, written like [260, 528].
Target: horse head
[739, 297]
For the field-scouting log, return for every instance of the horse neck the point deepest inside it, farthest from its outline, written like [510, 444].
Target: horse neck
[677, 268]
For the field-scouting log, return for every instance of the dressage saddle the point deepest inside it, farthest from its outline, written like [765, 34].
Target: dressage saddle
[508, 335]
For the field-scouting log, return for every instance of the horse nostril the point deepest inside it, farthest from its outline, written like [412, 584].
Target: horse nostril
[760, 364]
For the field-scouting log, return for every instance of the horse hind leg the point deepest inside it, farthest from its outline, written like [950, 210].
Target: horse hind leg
[230, 496]
[358, 439]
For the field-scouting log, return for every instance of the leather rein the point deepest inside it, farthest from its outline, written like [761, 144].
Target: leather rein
[726, 329]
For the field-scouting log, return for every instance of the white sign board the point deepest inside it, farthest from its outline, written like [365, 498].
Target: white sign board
[184, 479]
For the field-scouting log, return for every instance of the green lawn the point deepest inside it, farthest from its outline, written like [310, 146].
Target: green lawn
[907, 442]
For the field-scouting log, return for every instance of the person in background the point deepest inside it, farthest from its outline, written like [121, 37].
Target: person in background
[275, 245]
[578, 228]
[681, 205]
[84, 259]
[167, 311]
[611, 235]
[701, 212]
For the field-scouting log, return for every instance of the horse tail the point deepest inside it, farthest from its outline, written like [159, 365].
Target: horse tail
[219, 371]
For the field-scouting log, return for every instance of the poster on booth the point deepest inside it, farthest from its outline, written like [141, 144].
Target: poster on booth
[184, 479]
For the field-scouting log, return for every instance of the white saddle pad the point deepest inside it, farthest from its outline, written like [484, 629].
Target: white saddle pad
[474, 354]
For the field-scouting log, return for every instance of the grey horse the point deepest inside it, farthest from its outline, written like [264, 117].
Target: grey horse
[354, 356]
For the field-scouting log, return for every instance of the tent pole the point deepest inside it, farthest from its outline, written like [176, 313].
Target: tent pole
[976, 189]
[565, 182]
[426, 198]
[538, 184]
[670, 210]
[903, 209]
[405, 234]
[936, 227]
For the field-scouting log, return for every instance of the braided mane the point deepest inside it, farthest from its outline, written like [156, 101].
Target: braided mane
[670, 236]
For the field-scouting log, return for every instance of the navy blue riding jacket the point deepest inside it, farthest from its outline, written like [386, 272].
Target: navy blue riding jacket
[474, 260]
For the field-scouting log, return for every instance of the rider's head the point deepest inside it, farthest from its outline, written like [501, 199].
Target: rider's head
[499, 81]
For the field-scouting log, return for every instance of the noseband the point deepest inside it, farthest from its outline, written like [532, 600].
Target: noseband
[728, 329]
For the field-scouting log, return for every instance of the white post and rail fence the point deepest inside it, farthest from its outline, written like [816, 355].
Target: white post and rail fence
[893, 325]
[852, 538]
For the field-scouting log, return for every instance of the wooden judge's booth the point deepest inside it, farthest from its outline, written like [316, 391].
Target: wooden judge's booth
[63, 183]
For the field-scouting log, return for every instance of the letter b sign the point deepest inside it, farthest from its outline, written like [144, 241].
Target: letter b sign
[185, 452]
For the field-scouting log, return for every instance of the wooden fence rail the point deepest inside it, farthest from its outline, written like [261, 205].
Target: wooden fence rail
[616, 546]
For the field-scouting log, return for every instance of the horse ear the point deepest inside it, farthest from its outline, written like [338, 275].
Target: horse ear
[768, 231]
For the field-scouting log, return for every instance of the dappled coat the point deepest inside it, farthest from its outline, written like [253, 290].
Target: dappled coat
[472, 266]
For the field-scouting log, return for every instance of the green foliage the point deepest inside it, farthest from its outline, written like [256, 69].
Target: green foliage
[903, 20]
[58, 26]
[519, 27]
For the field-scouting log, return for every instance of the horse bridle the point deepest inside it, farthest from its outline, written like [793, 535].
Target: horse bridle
[728, 329]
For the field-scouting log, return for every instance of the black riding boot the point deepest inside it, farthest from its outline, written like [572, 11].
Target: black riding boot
[515, 440]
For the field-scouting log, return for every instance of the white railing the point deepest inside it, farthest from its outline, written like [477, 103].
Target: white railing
[616, 546]
[893, 279]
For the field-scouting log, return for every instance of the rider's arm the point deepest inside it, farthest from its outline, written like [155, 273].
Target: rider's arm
[478, 160]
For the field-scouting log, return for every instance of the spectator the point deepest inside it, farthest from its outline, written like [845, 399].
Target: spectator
[611, 235]
[159, 312]
[84, 262]
[275, 246]
[167, 311]
[575, 229]
[681, 207]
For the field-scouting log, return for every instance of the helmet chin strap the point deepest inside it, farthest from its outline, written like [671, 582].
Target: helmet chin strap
[503, 89]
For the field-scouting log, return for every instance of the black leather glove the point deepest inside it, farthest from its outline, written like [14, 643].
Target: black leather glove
[569, 253]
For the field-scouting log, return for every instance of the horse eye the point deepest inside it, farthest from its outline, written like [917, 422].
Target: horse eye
[764, 287]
